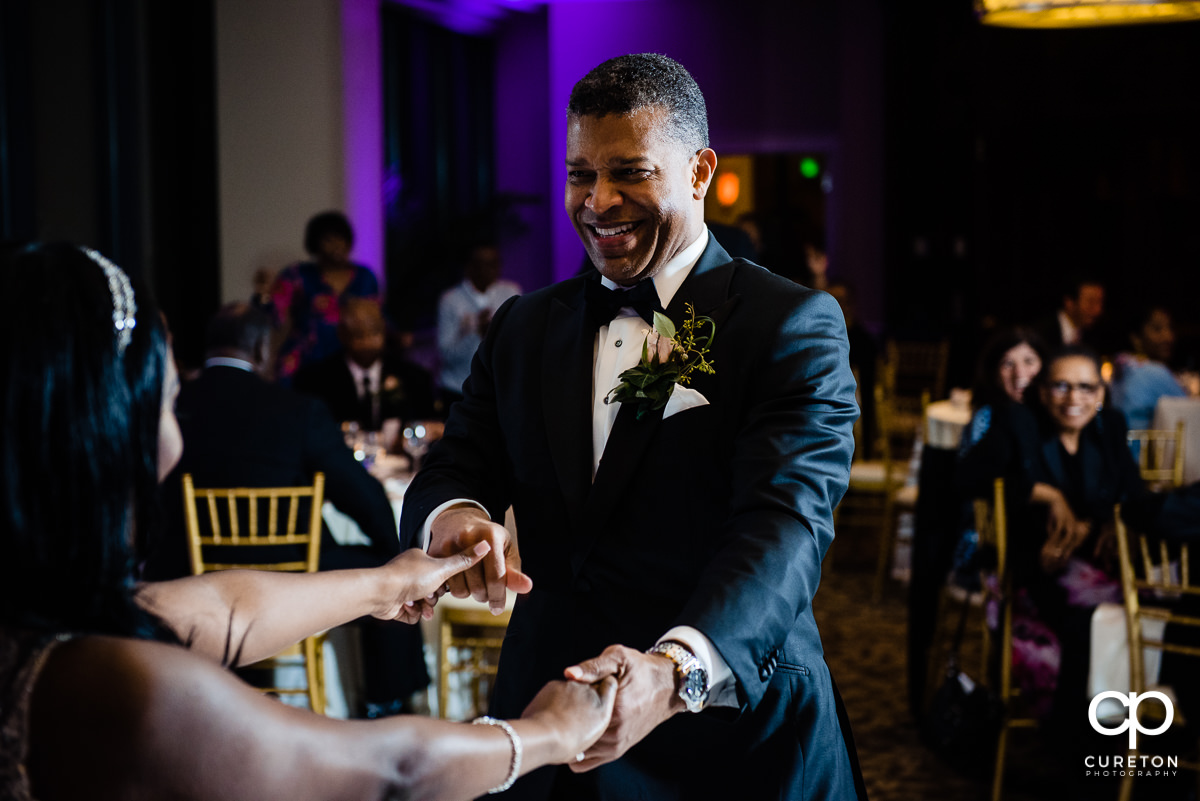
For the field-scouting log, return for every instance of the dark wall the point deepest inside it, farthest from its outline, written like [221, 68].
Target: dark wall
[1018, 157]
[107, 138]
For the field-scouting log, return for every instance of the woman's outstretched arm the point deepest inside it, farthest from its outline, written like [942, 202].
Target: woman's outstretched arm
[241, 616]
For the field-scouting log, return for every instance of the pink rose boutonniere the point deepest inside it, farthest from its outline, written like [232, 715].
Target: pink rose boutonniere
[669, 357]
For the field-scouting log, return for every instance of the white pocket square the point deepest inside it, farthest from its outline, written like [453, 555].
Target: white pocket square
[683, 399]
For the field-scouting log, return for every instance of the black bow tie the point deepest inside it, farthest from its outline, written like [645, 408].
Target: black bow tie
[604, 304]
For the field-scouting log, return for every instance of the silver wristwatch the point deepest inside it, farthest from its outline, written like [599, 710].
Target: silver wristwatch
[691, 677]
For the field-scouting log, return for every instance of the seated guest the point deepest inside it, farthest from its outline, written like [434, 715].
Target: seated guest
[366, 381]
[1075, 321]
[1008, 364]
[1065, 464]
[245, 432]
[464, 313]
[1141, 375]
[306, 296]
[117, 689]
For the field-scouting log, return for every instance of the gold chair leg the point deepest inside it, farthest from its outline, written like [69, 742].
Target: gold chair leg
[1126, 791]
[312, 673]
[998, 775]
[887, 543]
[443, 669]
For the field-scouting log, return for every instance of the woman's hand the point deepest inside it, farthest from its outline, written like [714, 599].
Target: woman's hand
[577, 714]
[413, 581]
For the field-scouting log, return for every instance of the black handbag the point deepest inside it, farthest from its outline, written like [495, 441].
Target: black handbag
[964, 718]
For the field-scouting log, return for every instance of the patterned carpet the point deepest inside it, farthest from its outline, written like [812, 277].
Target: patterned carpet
[865, 648]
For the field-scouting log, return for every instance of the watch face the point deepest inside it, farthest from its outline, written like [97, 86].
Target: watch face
[695, 685]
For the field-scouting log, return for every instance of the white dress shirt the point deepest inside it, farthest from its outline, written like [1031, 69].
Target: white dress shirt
[373, 374]
[619, 347]
[1070, 334]
[458, 326]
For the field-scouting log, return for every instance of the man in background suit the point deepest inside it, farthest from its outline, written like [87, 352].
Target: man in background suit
[240, 430]
[1082, 306]
[678, 549]
[366, 381]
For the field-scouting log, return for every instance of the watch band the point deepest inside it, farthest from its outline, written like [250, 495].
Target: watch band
[692, 684]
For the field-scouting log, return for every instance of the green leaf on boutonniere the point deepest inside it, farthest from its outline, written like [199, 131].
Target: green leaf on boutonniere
[664, 326]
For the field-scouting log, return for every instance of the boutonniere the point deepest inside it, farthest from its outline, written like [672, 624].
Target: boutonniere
[669, 357]
[392, 389]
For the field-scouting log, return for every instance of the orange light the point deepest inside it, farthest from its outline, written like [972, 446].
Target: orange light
[729, 186]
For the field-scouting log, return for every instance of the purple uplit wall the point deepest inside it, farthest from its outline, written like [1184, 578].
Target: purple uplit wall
[362, 121]
[523, 137]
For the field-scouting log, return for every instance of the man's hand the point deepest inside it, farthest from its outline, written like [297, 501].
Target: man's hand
[462, 527]
[646, 696]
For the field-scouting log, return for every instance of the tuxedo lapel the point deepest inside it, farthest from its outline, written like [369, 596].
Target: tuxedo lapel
[567, 398]
[707, 290]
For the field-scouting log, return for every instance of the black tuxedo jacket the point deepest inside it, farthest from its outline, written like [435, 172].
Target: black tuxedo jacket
[717, 517]
[331, 381]
[239, 430]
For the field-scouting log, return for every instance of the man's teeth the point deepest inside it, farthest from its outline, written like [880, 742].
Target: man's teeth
[620, 229]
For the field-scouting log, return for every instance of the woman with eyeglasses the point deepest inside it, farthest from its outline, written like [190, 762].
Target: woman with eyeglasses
[1068, 466]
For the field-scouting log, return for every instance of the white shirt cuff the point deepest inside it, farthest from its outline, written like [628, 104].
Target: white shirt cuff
[427, 530]
[722, 688]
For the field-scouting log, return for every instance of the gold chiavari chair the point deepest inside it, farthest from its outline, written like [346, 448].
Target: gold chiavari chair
[262, 522]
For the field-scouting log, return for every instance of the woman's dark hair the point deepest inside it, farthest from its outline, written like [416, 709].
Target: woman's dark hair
[1067, 352]
[323, 224]
[79, 454]
[987, 389]
[1139, 316]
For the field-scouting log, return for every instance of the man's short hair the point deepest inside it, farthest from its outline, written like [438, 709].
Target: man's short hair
[237, 326]
[643, 80]
[1074, 283]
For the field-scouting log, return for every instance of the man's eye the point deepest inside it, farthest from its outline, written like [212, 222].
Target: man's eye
[631, 174]
[579, 176]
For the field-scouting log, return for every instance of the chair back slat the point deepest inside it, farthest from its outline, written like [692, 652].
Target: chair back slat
[214, 517]
[242, 504]
[1159, 454]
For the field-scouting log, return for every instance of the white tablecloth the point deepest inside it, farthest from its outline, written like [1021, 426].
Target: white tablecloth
[1108, 667]
[944, 424]
[1170, 411]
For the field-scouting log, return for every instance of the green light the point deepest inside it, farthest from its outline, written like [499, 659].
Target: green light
[809, 167]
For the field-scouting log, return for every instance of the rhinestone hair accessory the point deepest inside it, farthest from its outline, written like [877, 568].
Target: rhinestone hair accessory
[123, 304]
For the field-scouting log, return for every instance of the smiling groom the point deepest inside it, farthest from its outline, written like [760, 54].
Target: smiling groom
[678, 549]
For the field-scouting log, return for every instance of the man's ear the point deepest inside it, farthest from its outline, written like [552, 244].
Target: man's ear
[702, 172]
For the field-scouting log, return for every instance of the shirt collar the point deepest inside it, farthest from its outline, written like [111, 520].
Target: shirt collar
[668, 280]
[375, 372]
[1070, 333]
[229, 361]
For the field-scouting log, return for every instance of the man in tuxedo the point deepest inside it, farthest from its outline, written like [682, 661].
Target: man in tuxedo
[366, 381]
[678, 549]
[1075, 321]
[240, 430]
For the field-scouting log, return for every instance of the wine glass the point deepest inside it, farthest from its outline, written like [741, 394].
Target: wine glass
[418, 435]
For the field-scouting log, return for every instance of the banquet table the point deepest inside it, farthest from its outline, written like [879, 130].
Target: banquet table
[935, 533]
[1170, 411]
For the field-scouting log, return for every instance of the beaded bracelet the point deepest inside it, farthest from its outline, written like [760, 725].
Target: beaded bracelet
[514, 767]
